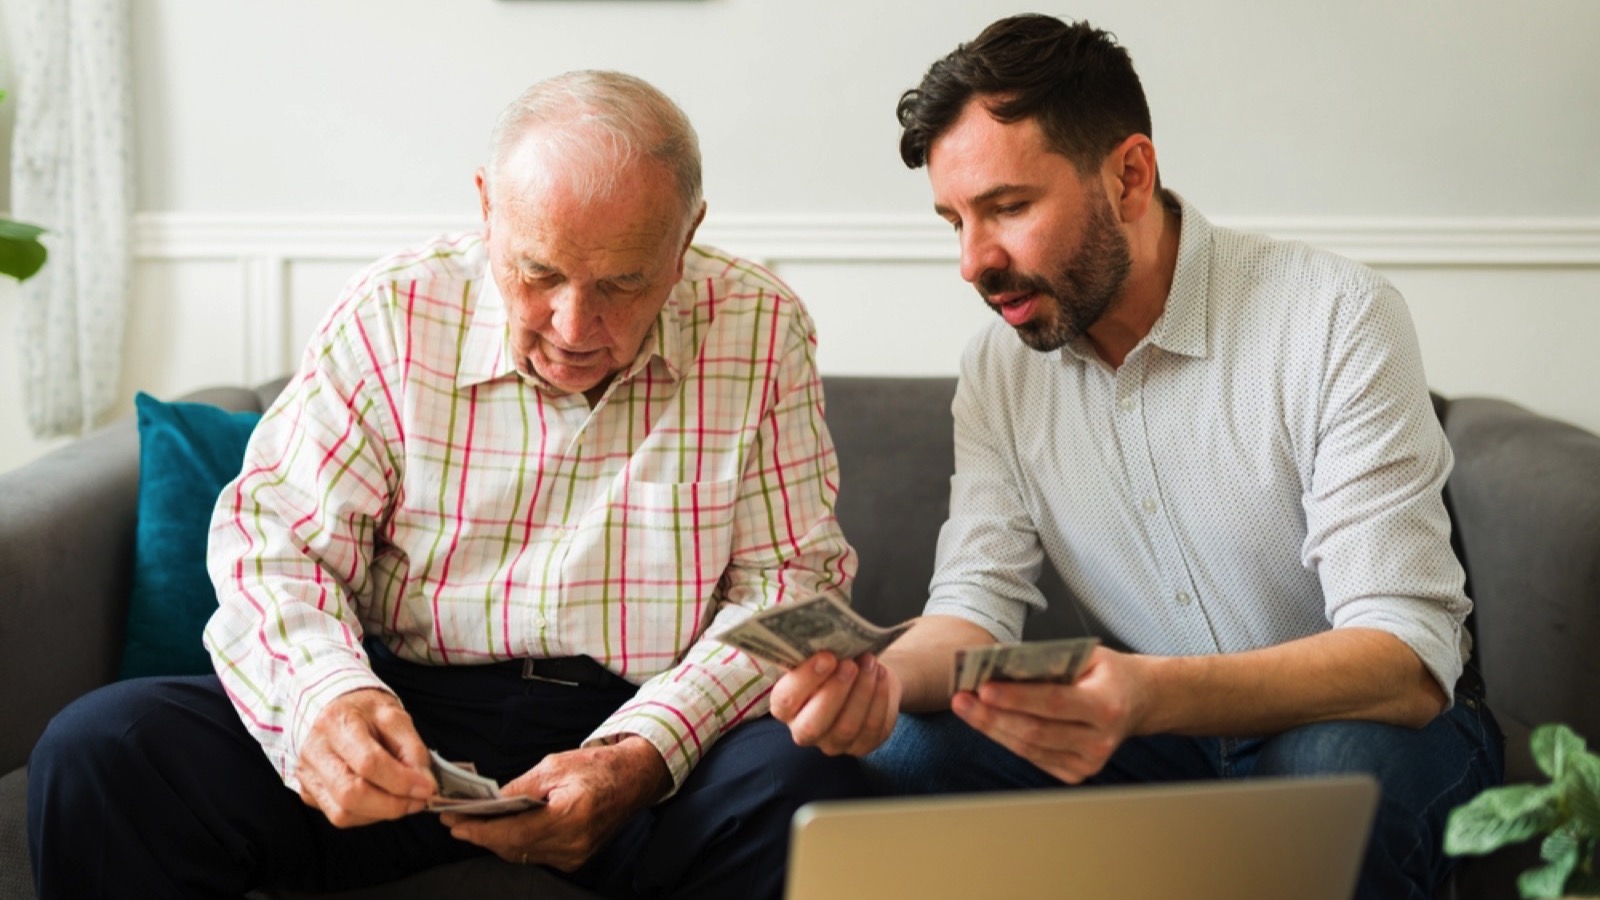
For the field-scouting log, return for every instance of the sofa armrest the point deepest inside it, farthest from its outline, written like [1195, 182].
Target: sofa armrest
[1526, 493]
[66, 554]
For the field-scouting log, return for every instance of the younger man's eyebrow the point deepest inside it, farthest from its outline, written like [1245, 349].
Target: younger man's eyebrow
[987, 196]
[998, 191]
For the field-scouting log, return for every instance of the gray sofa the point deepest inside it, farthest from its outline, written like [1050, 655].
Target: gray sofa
[1525, 497]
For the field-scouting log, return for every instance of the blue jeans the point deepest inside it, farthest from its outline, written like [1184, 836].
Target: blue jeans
[1424, 774]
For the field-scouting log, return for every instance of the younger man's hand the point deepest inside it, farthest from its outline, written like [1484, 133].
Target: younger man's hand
[840, 707]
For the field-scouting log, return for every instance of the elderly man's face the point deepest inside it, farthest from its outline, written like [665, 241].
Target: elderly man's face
[583, 280]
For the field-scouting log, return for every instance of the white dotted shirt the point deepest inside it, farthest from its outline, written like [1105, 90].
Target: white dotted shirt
[1264, 465]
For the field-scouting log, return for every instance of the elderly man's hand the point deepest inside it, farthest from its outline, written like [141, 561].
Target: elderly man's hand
[364, 761]
[838, 707]
[590, 793]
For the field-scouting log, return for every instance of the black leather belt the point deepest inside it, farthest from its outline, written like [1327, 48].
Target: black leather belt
[572, 671]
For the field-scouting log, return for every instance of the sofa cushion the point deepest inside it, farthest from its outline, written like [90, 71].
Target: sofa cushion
[187, 452]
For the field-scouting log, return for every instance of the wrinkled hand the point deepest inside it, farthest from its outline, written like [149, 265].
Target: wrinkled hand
[846, 707]
[364, 761]
[590, 793]
[1068, 730]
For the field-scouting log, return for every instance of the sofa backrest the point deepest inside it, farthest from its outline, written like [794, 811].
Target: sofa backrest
[896, 455]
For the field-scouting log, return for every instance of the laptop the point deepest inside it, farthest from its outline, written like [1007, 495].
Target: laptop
[1269, 838]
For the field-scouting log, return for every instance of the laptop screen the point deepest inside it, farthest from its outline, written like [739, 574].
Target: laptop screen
[1300, 838]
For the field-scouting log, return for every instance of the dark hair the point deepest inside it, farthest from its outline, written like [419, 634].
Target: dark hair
[1073, 78]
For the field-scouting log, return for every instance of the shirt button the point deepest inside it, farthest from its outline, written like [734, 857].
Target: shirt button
[1182, 598]
[1149, 505]
[1126, 403]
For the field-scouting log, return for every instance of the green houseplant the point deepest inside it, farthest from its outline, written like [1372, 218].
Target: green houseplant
[1566, 811]
[21, 253]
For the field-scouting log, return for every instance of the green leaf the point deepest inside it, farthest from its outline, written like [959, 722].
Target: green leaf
[20, 230]
[1545, 881]
[21, 253]
[1554, 746]
[1560, 851]
[1581, 791]
[1500, 816]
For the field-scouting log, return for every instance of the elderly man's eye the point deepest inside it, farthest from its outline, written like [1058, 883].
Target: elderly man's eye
[621, 288]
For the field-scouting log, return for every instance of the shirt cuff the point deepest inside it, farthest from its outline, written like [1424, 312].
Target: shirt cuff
[679, 719]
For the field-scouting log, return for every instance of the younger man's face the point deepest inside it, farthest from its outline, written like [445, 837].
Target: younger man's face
[1039, 240]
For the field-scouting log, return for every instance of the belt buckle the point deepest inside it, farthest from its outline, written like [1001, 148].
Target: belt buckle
[528, 674]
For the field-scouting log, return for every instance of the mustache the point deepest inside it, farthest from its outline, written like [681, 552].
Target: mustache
[995, 281]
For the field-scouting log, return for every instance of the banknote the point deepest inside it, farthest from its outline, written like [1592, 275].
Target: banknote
[499, 806]
[1055, 661]
[788, 634]
[463, 790]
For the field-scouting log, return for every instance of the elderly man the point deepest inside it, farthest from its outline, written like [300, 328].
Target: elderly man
[1223, 444]
[516, 480]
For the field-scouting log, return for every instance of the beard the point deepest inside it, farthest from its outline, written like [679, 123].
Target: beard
[1083, 288]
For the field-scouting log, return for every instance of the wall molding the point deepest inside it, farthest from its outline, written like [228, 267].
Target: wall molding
[264, 249]
[272, 241]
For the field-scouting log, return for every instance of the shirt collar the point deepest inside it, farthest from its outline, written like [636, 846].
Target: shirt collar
[486, 353]
[1182, 326]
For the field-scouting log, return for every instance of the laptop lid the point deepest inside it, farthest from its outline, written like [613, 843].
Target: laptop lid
[1300, 838]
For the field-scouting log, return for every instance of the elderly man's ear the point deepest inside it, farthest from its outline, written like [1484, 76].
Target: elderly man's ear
[481, 179]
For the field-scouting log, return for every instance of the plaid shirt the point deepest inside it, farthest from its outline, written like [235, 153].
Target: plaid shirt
[409, 485]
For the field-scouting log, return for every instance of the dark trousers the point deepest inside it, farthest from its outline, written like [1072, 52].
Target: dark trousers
[153, 788]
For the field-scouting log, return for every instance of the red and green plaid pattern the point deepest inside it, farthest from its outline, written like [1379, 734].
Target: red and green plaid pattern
[409, 484]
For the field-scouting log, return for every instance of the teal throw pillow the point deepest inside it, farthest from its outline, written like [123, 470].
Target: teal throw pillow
[187, 453]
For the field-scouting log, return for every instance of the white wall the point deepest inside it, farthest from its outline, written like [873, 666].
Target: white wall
[1453, 143]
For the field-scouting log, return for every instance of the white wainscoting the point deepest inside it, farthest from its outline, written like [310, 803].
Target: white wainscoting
[1505, 307]
[285, 270]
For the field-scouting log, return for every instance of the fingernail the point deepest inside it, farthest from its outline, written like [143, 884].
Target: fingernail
[823, 665]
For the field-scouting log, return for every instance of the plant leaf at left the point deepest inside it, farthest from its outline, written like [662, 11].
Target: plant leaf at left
[21, 253]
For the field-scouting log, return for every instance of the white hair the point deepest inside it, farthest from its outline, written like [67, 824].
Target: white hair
[602, 121]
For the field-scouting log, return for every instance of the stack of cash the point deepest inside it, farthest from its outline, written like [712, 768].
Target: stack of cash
[788, 634]
[463, 790]
[1051, 661]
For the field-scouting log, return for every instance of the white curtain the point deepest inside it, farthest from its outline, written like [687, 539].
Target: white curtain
[72, 173]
